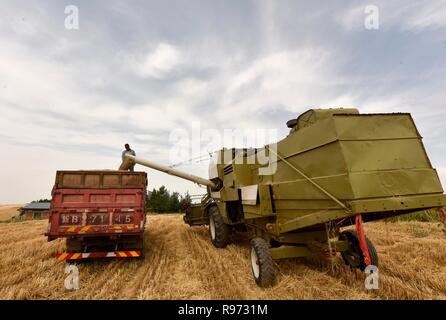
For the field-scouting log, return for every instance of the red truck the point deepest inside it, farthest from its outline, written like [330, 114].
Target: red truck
[100, 213]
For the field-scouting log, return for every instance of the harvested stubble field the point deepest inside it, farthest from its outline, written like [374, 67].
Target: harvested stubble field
[9, 211]
[181, 263]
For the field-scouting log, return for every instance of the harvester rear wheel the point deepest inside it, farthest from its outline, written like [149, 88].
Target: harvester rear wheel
[354, 257]
[262, 264]
[218, 230]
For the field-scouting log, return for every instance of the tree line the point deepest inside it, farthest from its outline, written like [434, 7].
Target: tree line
[162, 201]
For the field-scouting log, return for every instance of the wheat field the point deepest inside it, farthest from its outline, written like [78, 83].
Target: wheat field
[9, 211]
[181, 263]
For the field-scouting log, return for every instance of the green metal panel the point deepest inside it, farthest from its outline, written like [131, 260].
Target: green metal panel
[303, 237]
[243, 174]
[266, 205]
[228, 180]
[222, 208]
[326, 160]
[252, 212]
[312, 219]
[304, 205]
[285, 252]
[375, 126]
[413, 202]
[373, 155]
[373, 184]
[195, 216]
[229, 194]
[308, 138]
[339, 185]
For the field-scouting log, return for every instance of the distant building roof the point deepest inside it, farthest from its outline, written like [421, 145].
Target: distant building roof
[37, 206]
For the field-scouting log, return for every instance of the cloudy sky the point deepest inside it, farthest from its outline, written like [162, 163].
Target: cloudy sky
[136, 70]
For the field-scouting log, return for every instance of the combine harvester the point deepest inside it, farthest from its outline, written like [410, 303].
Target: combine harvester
[100, 213]
[336, 168]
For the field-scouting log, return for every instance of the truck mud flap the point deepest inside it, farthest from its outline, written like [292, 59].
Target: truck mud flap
[93, 255]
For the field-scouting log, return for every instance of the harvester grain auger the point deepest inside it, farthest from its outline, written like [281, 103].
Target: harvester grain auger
[336, 168]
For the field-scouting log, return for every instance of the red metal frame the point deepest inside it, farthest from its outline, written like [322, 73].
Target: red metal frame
[90, 255]
[59, 194]
[80, 226]
[362, 242]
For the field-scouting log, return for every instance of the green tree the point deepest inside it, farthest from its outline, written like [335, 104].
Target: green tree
[174, 202]
[162, 201]
[151, 200]
[185, 202]
[41, 200]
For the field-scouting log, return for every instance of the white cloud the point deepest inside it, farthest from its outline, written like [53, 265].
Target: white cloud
[23, 27]
[292, 80]
[404, 15]
[352, 19]
[71, 99]
[160, 62]
[426, 16]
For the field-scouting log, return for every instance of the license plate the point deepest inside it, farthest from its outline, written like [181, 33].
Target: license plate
[97, 218]
[123, 218]
[70, 219]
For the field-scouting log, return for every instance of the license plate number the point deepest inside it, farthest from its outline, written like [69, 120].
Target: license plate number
[97, 218]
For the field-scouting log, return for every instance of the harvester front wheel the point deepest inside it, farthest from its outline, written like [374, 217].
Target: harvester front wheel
[354, 257]
[262, 264]
[218, 229]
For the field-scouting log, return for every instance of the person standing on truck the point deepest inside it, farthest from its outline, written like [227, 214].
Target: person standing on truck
[130, 152]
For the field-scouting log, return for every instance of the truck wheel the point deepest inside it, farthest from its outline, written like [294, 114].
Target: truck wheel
[218, 229]
[262, 264]
[354, 257]
[142, 249]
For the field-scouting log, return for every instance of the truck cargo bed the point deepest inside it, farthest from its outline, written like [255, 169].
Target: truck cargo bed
[97, 211]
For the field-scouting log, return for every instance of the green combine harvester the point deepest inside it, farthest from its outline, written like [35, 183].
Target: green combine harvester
[335, 168]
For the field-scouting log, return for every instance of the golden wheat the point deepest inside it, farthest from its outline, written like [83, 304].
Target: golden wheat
[9, 211]
[181, 263]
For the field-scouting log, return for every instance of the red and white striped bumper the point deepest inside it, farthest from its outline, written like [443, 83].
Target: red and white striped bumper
[91, 255]
[94, 229]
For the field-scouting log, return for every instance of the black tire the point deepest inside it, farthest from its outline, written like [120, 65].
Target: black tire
[354, 257]
[218, 230]
[265, 272]
[142, 249]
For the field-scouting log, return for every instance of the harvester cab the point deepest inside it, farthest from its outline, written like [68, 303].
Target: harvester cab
[336, 168]
[311, 116]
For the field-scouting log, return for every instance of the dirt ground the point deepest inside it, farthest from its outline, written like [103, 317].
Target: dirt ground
[9, 211]
[181, 263]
